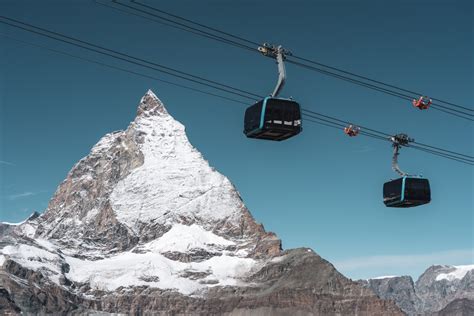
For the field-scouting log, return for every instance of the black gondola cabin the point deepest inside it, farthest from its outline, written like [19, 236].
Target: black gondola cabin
[406, 192]
[273, 119]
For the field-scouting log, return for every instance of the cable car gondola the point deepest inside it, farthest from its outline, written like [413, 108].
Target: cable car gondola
[407, 191]
[273, 118]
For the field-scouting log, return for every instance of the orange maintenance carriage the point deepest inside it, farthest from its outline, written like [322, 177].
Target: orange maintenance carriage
[352, 130]
[423, 103]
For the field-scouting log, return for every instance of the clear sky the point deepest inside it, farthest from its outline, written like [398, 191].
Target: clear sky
[321, 189]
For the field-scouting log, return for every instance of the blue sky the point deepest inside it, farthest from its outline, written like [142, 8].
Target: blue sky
[320, 189]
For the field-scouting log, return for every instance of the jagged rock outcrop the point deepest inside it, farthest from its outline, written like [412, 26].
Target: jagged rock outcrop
[458, 307]
[143, 225]
[440, 289]
[441, 284]
[398, 289]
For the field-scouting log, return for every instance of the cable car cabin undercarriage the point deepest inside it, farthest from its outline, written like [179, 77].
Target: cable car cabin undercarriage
[273, 119]
[406, 192]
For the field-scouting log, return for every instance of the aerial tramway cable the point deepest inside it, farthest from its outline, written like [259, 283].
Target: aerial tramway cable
[177, 25]
[254, 44]
[125, 57]
[196, 23]
[377, 81]
[121, 69]
[329, 121]
[402, 96]
[170, 25]
[196, 28]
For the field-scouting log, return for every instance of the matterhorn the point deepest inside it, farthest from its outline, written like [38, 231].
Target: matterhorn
[143, 225]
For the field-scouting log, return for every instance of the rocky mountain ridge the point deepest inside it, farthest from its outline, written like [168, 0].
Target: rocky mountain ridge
[143, 225]
[439, 287]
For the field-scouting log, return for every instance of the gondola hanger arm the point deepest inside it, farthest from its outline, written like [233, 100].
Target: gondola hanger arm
[398, 141]
[279, 54]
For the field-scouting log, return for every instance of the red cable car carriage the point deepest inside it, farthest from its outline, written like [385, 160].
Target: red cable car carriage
[423, 103]
[352, 130]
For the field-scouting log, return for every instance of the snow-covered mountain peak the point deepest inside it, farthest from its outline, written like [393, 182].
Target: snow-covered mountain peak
[140, 183]
[150, 104]
[175, 184]
[145, 197]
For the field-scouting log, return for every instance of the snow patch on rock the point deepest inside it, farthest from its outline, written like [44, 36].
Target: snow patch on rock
[153, 269]
[130, 269]
[182, 238]
[13, 224]
[458, 273]
[26, 230]
[34, 258]
[384, 277]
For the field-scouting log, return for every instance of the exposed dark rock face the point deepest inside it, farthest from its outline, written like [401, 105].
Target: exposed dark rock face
[458, 307]
[87, 188]
[143, 225]
[7, 305]
[5, 229]
[194, 255]
[398, 289]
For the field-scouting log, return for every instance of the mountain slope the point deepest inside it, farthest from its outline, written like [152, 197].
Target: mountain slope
[143, 224]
